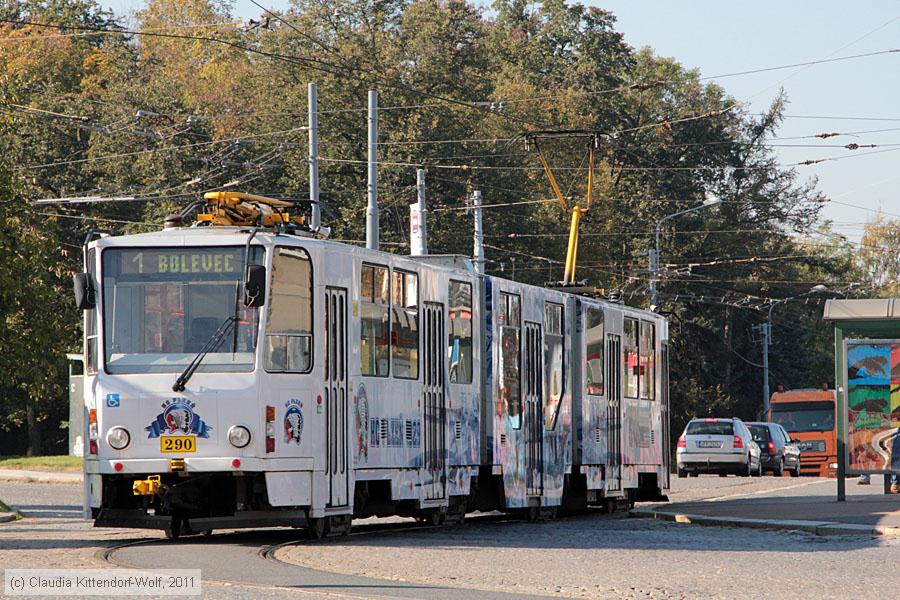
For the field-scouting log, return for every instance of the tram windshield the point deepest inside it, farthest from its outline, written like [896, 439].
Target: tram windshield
[162, 305]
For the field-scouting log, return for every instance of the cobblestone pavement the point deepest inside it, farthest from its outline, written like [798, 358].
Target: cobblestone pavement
[602, 556]
[588, 556]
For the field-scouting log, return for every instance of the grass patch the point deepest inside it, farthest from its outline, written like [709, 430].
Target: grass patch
[6, 509]
[64, 464]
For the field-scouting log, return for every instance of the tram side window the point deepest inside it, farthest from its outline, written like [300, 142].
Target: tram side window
[593, 340]
[374, 347]
[510, 323]
[90, 326]
[648, 360]
[632, 368]
[554, 367]
[405, 325]
[289, 321]
[459, 349]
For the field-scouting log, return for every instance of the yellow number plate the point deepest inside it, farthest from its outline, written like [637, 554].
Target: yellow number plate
[178, 443]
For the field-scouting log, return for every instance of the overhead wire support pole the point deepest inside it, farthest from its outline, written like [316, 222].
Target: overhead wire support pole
[315, 218]
[418, 221]
[479, 233]
[372, 207]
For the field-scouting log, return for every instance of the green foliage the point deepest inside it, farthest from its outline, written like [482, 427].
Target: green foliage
[56, 464]
[169, 117]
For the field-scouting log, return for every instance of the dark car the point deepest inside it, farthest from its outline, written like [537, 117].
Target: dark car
[776, 451]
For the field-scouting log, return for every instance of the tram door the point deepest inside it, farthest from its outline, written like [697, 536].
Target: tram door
[664, 409]
[534, 415]
[336, 395]
[434, 390]
[614, 415]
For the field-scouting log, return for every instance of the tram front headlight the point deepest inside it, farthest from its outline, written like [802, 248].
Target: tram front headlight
[118, 438]
[239, 436]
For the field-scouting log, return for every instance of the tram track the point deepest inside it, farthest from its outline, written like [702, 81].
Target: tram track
[247, 559]
[234, 543]
[267, 551]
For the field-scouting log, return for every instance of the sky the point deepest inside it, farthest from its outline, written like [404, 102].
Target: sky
[720, 37]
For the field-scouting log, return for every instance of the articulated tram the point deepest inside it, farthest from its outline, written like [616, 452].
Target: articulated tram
[246, 376]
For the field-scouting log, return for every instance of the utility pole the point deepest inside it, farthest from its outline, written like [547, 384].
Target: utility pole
[372, 207]
[418, 224]
[654, 275]
[766, 330]
[315, 218]
[765, 336]
[479, 233]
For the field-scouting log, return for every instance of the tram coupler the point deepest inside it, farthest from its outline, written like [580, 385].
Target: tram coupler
[146, 487]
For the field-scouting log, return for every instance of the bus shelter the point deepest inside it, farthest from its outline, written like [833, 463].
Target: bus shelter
[867, 384]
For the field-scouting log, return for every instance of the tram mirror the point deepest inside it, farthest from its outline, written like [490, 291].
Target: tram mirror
[84, 292]
[255, 286]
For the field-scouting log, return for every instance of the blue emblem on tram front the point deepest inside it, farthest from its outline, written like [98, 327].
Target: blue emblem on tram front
[178, 416]
[293, 421]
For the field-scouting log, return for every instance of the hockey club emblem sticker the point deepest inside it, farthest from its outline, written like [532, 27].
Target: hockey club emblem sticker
[293, 421]
[178, 417]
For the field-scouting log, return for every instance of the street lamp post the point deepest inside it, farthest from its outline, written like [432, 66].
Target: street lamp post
[766, 329]
[654, 253]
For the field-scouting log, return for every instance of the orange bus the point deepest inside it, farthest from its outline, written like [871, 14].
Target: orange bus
[808, 415]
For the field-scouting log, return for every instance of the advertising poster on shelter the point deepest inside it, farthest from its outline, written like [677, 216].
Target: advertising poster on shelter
[873, 405]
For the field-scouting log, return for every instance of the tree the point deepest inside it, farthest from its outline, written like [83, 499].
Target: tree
[879, 256]
[165, 116]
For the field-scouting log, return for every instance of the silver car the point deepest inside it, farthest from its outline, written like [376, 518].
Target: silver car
[720, 446]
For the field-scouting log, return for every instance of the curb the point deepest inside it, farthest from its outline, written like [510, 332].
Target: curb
[814, 527]
[40, 476]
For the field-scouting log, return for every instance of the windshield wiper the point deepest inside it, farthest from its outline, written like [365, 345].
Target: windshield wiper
[212, 344]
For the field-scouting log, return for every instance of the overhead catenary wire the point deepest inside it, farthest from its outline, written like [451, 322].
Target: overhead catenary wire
[310, 62]
[154, 150]
[306, 61]
[649, 125]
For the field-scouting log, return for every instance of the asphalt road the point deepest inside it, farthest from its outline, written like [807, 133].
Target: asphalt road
[590, 556]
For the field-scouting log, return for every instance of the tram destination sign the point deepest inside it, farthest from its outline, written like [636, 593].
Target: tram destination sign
[181, 261]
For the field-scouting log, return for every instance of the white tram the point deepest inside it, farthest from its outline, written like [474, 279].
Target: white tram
[247, 377]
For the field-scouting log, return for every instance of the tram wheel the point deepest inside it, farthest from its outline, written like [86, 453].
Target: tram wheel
[432, 518]
[173, 531]
[317, 528]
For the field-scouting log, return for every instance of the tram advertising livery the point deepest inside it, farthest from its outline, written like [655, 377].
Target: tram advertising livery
[241, 376]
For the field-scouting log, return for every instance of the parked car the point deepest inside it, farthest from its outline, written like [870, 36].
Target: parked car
[720, 446]
[776, 450]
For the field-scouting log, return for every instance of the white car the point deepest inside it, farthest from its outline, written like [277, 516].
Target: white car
[720, 446]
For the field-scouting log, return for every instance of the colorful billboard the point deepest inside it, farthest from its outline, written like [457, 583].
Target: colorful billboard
[873, 405]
